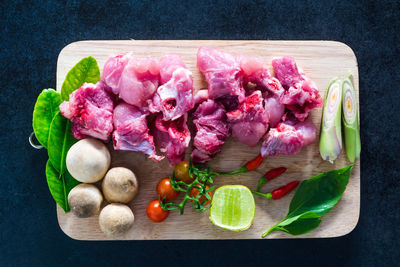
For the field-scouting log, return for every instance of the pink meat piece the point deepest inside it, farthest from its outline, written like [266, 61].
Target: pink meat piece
[200, 96]
[222, 73]
[172, 137]
[112, 71]
[255, 73]
[212, 130]
[274, 109]
[131, 131]
[175, 97]
[302, 94]
[288, 138]
[134, 79]
[90, 110]
[250, 121]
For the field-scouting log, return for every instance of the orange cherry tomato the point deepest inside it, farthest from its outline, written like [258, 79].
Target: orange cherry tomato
[181, 171]
[194, 192]
[155, 213]
[165, 189]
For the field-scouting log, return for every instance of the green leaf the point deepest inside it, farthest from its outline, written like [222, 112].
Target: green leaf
[298, 225]
[313, 199]
[46, 107]
[85, 70]
[59, 185]
[60, 140]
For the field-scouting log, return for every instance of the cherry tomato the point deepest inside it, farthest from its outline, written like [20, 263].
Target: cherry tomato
[194, 192]
[155, 212]
[165, 189]
[181, 171]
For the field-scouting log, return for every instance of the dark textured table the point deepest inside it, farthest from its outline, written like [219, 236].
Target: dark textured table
[34, 32]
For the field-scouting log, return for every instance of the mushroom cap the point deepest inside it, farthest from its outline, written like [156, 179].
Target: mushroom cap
[85, 200]
[116, 219]
[88, 160]
[120, 185]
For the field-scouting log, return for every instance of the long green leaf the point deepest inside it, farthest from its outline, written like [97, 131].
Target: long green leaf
[59, 185]
[85, 70]
[313, 199]
[60, 140]
[46, 107]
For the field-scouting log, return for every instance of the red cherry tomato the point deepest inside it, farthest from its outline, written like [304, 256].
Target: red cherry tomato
[165, 189]
[155, 213]
[194, 192]
[181, 171]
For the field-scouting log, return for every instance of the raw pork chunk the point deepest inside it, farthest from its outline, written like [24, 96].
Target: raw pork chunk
[274, 109]
[288, 138]
[131, 131]
[222, 73]
[254, 72]
[175, 97]
[302, 94]
[250, 121]
[172, 137]
[134, 79]
[212, 130]
[90, 110]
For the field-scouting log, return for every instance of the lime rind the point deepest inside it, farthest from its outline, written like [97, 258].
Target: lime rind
[233, 208]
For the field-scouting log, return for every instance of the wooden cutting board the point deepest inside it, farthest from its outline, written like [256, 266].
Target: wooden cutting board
[321, 61]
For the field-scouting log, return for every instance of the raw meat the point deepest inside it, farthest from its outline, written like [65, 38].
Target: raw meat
[222, 72]
[200, 96]
[254, 72]
[134, 79]
[302, 94]
[250, 121]
[175, 97]
[172, 137]
[274, 109]
[212, 131]
[288, 138]
[90, 110]
[131, 131]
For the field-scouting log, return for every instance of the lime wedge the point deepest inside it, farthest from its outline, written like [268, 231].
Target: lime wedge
[233, 208]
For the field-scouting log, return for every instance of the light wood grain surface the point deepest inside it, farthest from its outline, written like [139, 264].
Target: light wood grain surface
[321, 61]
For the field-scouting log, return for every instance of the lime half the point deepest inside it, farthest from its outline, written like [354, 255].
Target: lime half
[233, 208]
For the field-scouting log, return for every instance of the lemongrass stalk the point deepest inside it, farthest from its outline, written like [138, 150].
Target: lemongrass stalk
[351, 131]
[330, 143]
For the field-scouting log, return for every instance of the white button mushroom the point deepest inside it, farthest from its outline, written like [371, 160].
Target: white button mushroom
[85, 200]
[120, 185]
[116, 219]
[88, 160]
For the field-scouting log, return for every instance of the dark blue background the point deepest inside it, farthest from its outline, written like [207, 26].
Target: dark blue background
[32, 33]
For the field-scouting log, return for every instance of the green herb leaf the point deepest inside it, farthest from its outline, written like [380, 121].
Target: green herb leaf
[59, 185]
[85, 70]
[314, 198]
[60, 141]
[46, 107]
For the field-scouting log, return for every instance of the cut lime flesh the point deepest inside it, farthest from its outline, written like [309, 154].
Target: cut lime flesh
[233, 208]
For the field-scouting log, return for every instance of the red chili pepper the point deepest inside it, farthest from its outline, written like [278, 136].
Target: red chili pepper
[271, 174]
[284, 190]
[279, 192]
[254, 163]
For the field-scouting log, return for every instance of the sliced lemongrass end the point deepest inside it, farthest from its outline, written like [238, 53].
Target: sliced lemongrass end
[350, 120]
[330, 143]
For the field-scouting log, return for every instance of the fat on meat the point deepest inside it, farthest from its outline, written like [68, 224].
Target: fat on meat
[249, 122]
[288, 138]
[90, 110]
[175, 96]
[222, 72]
[254, 72]
[131, 131]
[212, 130]
[172, 137]
[134, 79]
[301, 95]
[274, 109]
